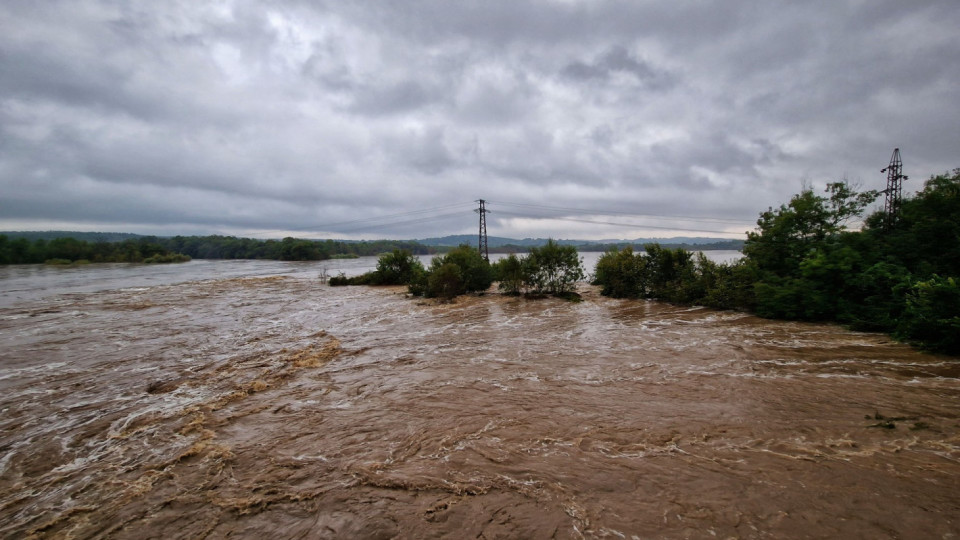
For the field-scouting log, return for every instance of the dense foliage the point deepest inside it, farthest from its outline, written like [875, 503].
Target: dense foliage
[460, 271]
[69, 250]
[801, 263]
[399, 267]
[550, 269]
[25, 251]
[731, 245]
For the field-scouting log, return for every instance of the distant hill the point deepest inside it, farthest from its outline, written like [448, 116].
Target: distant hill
[689, 240]
[83, 236]
[493, 241]
[496, 242]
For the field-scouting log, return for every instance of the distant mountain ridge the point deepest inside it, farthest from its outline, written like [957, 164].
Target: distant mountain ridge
[499, 241]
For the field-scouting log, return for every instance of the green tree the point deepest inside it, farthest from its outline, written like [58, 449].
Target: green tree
[730, 286]
[802, 257]
[475, 270]
[876, 297]
[398, 267]
[621, 274]
[462, 270]
[926, 238]
[671, 274]
[446, 282]
[932, 315]
[553, 269]
[509, 272]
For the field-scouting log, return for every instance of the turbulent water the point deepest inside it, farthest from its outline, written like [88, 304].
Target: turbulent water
[254, 401]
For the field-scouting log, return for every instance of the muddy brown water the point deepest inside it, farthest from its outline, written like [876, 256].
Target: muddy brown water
[278, 407]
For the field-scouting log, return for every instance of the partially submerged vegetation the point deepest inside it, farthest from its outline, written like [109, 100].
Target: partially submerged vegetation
[551, 269]
[802, 264]
[167, 258]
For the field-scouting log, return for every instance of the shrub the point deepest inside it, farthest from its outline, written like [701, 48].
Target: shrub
[932, 315]
[167, 258]
[341, 280]
[509, 272]
[396, 268]
[460, 271]
[621, 274]
[475, 270]
[553, 269]
[446, 282]
[730, 286]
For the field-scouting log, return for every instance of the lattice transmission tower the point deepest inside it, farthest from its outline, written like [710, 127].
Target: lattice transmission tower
[894, 191]
[482, 242]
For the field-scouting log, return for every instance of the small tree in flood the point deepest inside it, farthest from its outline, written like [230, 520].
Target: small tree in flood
[621, 274]
[460, 271]
[445, 282]
[553, 269]
[476, 271]
[399, 267]
[509, 272]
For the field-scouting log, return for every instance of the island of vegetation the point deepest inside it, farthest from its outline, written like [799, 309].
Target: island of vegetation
[552, 269]
[898, 274]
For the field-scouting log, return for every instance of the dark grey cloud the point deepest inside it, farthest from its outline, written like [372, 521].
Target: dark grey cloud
[244, 116]
[618, 60]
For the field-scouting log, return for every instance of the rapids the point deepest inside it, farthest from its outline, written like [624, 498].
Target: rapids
[264, 404]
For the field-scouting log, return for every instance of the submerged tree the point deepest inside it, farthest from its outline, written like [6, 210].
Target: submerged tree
[399, 267]
[509, 274]
[462, 270]
[553, 269]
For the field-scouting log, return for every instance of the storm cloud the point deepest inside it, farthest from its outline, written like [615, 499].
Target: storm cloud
[388, 119]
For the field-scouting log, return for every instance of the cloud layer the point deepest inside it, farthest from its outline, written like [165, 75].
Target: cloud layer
[386, 119]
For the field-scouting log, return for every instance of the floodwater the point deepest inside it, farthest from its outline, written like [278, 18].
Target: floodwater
[250, 400]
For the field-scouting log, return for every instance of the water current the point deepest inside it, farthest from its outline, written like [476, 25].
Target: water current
[248, 399]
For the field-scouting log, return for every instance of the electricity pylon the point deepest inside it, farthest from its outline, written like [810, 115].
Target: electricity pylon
[894, 191]
[482, 242]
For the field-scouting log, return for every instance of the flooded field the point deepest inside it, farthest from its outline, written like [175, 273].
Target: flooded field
[253, 401]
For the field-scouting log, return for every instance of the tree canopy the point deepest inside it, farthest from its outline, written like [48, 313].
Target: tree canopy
[802, 263]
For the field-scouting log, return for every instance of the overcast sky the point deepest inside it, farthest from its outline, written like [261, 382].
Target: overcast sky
[388, 119]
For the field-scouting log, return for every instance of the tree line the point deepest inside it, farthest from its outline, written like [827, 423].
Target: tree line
[898, 274]
[152, 248]
[70, 250]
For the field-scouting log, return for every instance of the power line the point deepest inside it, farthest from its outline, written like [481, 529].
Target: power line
[413, 217]
[401, 223]
[632, 225]
[371, 220]
[583, 211]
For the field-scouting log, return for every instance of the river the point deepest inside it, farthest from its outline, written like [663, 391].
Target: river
[247, 399]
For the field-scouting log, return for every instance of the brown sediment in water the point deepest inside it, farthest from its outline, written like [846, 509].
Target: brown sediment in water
[280, 407]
